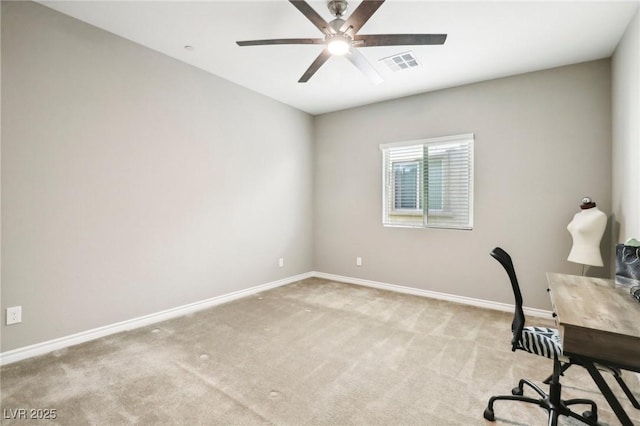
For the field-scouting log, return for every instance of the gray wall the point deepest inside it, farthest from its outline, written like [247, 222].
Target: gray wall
[626, 134]
[133, 183]
[542, 142]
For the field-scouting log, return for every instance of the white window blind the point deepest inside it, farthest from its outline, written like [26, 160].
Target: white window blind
[428, 183]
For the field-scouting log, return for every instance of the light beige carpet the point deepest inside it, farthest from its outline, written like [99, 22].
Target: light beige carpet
[313, 352]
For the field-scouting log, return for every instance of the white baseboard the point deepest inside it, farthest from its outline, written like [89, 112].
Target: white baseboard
[505, 307]
[19, 354]
[25, 352]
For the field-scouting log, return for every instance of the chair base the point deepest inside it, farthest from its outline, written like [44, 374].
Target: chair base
[550, 402]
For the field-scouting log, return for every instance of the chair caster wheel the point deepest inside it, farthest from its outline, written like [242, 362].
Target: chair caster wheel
[517, 391]
[590, 415]
[488, 414]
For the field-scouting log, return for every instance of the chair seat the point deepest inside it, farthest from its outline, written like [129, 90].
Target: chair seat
[542, 341]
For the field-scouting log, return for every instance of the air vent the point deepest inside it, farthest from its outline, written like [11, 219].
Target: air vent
[401, 61]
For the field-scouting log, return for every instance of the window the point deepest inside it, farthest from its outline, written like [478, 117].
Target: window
[428, 183]
[406, 186]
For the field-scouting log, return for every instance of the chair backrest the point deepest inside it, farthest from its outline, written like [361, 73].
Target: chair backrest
[518, 318]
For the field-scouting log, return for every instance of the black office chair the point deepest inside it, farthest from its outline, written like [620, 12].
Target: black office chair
[539, 341]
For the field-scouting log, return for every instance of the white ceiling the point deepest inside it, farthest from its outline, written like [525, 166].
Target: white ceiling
[486, 40]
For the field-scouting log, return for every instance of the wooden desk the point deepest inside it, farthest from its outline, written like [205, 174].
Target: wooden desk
[599, 322]
[596, 318]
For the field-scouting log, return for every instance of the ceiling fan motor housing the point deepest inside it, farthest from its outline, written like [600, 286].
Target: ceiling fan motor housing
[336, 24]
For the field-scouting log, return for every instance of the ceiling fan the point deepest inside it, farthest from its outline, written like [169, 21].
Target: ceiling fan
[341, 36]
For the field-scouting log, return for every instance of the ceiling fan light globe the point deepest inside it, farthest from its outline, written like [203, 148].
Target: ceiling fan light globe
[338, 46]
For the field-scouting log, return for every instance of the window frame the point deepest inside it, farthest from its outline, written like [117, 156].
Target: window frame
[447, 211]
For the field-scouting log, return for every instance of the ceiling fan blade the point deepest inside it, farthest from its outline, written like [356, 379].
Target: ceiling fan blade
[363, 65]
[281, 41]
[361, 15]
[313, 16]
[398, 39]
[321, 59]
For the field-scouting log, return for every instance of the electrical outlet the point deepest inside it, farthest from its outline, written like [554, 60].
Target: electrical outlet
[281, 262]
[14, 315]
[358, 261]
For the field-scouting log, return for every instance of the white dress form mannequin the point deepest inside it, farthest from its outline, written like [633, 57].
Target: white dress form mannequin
[587, 229]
